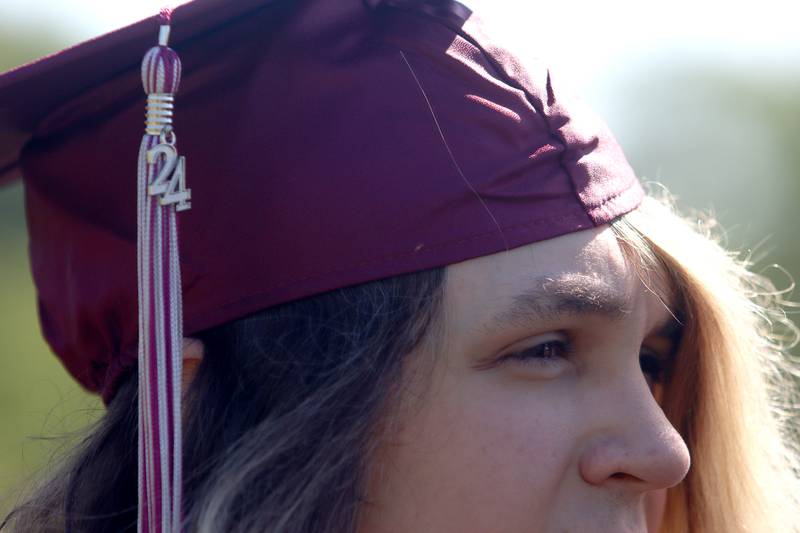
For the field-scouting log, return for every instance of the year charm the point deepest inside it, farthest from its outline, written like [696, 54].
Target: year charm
[170, 183]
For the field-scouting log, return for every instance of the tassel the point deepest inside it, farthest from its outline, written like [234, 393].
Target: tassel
[161, 194]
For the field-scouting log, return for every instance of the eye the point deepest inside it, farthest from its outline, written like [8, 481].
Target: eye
[547, 353]
[653, 366]
[554, 350]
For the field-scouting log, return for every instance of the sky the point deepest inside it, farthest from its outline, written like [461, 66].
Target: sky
[589, 41]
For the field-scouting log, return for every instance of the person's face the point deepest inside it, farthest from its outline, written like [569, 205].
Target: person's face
[539, 412]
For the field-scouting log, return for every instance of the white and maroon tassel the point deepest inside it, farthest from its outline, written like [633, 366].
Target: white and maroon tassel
[161, 193]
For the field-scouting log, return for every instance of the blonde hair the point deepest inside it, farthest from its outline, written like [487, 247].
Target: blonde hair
[732, 393]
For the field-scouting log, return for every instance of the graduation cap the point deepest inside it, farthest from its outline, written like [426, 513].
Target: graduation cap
[326, 143]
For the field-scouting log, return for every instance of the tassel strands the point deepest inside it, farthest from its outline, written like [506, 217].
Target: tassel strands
[161, 193]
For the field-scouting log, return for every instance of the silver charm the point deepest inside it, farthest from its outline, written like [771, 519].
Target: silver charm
[170, 183]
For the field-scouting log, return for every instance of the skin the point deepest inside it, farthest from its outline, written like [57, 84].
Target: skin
[577, 444]
[544, 441]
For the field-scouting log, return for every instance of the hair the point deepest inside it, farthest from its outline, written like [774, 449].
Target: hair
[732, 393]
[282, 415]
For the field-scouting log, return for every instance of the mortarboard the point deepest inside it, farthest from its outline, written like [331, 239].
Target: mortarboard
[327, 143]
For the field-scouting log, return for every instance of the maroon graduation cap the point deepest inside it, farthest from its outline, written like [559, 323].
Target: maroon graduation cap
[326, 143]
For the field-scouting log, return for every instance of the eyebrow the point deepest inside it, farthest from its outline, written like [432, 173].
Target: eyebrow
[578, 295]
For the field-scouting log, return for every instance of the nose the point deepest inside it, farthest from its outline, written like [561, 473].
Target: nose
[632, 444]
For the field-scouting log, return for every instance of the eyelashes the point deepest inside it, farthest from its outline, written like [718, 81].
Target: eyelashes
[543, 353]
[654, 365]
[553, 353]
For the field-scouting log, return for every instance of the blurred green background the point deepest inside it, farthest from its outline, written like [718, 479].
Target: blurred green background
[707, 104]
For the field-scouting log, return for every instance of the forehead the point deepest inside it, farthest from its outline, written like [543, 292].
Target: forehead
[584, 273]
[589, 258]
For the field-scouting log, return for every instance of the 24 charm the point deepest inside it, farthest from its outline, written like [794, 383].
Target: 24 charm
[171, 180]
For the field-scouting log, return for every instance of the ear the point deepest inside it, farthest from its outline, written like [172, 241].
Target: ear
[192, 355]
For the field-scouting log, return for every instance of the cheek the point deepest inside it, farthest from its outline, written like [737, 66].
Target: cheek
[474, 454]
